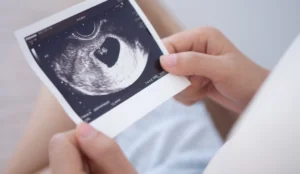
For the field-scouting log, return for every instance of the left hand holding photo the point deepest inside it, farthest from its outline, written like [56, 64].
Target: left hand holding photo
[87, 151]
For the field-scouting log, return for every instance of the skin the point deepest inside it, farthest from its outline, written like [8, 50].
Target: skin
[48, 117]
[86, 151]
[216, 68]
[230, 78]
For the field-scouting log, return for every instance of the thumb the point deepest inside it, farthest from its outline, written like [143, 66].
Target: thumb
[193, 63]
[102, 151]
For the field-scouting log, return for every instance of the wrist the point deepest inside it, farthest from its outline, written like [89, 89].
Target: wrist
[260, 76]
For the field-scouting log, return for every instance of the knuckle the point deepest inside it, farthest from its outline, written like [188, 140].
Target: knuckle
[168, 44]
[211, 30]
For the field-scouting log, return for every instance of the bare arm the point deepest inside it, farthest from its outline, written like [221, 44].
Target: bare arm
[48, 117]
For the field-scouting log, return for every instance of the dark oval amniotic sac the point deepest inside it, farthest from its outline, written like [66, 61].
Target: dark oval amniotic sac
[109, 51]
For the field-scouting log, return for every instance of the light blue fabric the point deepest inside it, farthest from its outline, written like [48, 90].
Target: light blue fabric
[173, 139]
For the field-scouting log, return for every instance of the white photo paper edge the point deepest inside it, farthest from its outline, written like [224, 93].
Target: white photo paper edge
[127, 113]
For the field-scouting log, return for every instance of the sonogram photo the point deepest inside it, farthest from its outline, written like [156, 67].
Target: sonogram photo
[100, 62]
[98, 58]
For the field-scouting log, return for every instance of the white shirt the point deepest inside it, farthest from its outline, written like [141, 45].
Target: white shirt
[267, 140]
[171, 139]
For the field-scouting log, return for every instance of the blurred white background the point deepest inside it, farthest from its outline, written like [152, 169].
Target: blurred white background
[262, 29]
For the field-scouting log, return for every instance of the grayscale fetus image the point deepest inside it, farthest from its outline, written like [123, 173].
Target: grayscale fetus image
[100, 63]
[98, 58]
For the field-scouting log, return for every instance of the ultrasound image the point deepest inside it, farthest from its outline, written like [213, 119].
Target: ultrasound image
[100, 63]
[101, 60]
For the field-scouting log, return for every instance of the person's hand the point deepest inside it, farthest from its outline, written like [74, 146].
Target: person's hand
[86, 151]
[215, 67]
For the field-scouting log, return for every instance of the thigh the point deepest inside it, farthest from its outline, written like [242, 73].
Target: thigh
[47, 119]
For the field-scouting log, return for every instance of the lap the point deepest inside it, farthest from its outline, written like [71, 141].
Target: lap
[171, 139]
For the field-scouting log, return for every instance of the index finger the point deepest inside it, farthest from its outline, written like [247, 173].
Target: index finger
[191, 40]
[64, 154]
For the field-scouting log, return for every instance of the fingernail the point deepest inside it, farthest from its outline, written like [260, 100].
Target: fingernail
[86, 131]
[170, 60]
